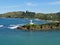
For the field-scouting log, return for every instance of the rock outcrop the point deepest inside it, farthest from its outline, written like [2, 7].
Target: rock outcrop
[36, 27]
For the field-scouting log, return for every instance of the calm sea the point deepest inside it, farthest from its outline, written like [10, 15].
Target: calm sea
[10, 36]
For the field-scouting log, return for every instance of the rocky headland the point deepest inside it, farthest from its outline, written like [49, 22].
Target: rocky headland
[40, 27]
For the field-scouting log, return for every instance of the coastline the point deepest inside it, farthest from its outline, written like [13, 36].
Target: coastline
[40, 27]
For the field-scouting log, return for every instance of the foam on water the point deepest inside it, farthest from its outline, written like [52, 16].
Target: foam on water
[13, 27]
[1, 25]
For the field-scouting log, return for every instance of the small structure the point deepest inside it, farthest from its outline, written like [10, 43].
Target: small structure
[31, 22]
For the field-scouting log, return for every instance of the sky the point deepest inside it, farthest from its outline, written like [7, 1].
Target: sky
[39, 6]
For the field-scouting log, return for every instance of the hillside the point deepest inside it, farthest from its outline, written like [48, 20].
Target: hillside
[27, 14]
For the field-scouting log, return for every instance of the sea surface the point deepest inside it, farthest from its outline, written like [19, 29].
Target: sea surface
[9, 36]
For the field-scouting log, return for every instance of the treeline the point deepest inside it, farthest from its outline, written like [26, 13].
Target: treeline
[27, 14]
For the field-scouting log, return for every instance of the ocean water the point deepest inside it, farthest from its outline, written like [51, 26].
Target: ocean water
[10, 36]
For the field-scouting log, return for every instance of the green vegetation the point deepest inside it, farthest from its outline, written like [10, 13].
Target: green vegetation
[40, 27]
[27, 14]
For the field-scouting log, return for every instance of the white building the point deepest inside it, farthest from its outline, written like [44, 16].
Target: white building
[31, 22]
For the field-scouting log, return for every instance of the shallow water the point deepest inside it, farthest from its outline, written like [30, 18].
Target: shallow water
[18, 37]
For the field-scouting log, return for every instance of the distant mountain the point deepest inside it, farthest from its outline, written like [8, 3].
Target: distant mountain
[27, 14]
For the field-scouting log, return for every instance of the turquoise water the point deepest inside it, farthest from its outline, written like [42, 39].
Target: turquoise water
[18, 37]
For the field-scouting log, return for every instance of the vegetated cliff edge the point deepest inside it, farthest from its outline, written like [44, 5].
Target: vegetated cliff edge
[40, 27]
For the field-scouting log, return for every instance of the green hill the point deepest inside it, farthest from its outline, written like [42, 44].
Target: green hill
[27, 14]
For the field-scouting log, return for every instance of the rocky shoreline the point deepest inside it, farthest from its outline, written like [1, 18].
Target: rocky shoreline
[40, 27]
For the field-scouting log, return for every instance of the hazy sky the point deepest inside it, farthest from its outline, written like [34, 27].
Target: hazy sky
[43, 6]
